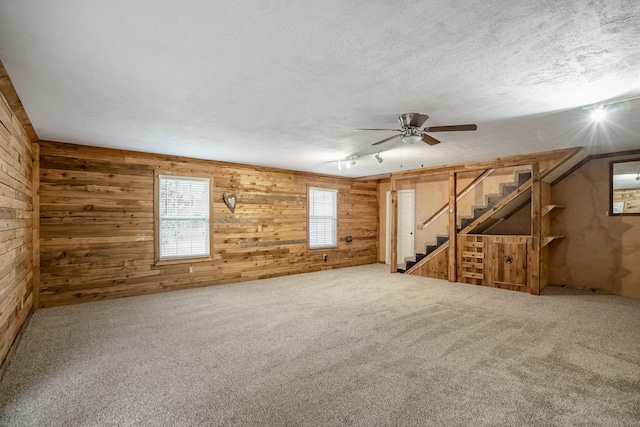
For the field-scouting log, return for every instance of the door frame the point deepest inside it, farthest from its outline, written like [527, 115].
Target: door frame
[387, 258]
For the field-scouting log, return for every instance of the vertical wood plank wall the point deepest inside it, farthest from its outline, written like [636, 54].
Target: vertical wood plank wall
[96, 212]
[16, 228]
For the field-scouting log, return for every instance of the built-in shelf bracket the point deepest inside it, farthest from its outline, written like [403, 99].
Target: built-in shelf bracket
[548, 239]
[551, 208]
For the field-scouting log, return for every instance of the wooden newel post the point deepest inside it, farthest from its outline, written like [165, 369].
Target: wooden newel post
[453, 268]
[536, 229]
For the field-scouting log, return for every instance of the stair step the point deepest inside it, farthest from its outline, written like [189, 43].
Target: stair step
[478, 212]
[466, 221]
[409, 264]
[441, 240]
[400, 270]
[523, 177]
[507, 189]
[493, 199]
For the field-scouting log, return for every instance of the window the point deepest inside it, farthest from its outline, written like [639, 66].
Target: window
[183, 217]
[322, 218]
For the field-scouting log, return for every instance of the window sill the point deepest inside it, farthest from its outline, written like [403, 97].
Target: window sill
[186, 260]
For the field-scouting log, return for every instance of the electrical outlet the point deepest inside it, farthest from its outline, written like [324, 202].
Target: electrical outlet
[324, 257]
[191, 269]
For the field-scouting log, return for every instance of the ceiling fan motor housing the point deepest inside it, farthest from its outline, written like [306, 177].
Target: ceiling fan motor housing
[405, 119]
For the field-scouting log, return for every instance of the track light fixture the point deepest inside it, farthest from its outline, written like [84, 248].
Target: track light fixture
[601, 110]
[348, 162]
[378, 158]
[599, 114]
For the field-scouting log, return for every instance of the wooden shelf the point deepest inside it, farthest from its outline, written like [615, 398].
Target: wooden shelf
[551, 208]
[548, 239]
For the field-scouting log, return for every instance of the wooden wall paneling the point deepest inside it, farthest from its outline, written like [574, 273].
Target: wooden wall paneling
[16, 222]
[97, 216]
[437, 266]
[13, 101]
[35, 238]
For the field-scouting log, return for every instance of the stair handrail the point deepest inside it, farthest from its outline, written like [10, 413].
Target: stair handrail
[463, 193]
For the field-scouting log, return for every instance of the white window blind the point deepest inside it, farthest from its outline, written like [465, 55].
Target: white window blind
[184, 216]
[322, 217]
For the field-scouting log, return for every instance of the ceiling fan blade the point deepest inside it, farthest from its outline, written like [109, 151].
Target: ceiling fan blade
[452, 128]
[429, 139]
[386, 139]
[388, 130]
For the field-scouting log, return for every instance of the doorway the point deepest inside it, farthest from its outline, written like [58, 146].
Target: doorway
[406, 224]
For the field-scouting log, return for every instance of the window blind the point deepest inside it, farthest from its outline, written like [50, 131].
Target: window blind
[322, 217]
[184, 216]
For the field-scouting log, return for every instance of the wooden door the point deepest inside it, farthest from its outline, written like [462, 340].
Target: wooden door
[509, 266]
[406, 224]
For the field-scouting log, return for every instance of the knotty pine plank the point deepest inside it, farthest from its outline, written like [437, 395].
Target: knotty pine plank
[84, 195]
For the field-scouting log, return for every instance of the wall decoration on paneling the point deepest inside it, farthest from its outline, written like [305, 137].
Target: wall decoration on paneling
[229, 200]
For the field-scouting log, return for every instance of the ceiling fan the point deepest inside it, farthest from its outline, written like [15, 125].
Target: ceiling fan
[412, 130]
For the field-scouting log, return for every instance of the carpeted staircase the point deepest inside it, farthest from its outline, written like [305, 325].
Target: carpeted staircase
[491, 200]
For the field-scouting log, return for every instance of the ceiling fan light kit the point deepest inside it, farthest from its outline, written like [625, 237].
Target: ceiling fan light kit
[411, 139]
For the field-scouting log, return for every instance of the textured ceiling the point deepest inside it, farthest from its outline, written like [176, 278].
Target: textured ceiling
[283, 84]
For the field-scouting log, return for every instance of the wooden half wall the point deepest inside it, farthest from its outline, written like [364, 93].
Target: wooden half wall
[97, 229]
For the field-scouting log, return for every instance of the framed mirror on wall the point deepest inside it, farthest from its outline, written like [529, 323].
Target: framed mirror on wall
[624, 194]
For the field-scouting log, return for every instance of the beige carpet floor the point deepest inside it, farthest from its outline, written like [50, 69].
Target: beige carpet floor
[355, 346]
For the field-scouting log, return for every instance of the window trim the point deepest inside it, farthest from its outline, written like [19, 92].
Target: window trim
[156, 218]
[611, 189]
[319, 248]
